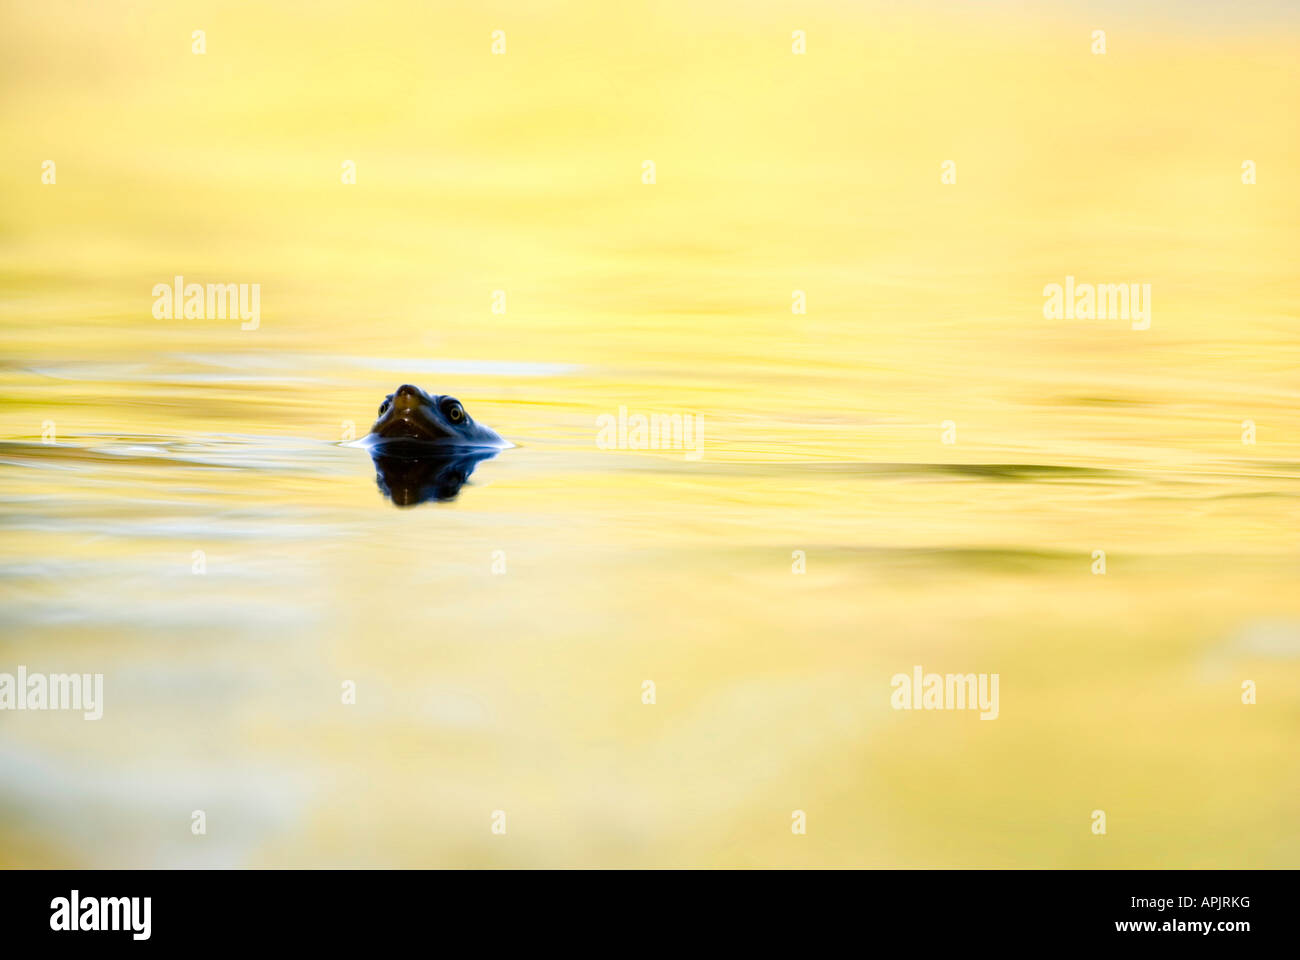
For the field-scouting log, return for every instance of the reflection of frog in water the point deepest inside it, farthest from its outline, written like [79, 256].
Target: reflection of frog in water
[411, 480]
[425, 446]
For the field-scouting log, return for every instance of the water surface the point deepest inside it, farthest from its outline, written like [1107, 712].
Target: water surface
[184, 511]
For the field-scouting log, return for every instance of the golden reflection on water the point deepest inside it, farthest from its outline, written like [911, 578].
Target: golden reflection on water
[521, 691]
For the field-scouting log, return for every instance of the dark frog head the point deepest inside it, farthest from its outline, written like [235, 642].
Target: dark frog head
[413, 419]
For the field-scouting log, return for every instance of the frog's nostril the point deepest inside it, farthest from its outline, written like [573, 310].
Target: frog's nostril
[406, 390]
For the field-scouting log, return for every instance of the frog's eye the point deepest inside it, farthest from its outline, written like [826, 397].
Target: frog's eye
[455, 412]
[385, 405]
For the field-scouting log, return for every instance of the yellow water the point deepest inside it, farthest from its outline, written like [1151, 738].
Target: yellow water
[521, 691]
